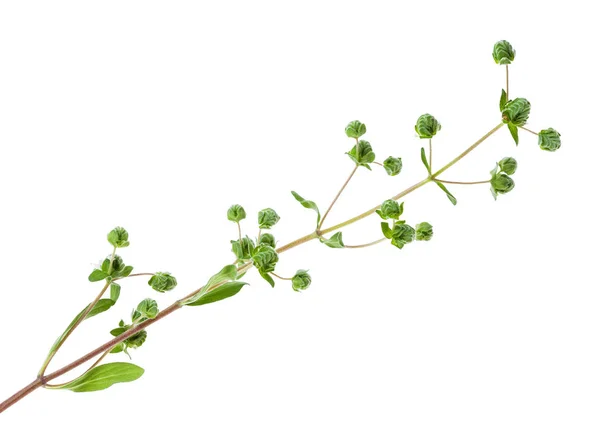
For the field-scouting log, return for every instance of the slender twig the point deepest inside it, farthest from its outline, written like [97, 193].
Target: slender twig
[137, 275]
[240, 232]
[281, 278]
[338, 194]
[463, 183]
[372, 243]
[528, 130]
[39, 382]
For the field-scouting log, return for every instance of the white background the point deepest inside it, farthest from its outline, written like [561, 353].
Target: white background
[159, 115]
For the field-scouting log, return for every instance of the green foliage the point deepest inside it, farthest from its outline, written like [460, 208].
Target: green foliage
[265, 258]
[508, 165]
[162, 282]
[500, 183]
[146, 309]
[267, 218]
[514, 132]
[236, 213]
[118, 237]
[427, 126]
[307, 204]
[301, 280]
[119, 270]
[335, 241]
[390, 209]
[243, 250]
[424, 231]
[356, 129]
[549, 140]
[267, 239]
[104, 376]
[425, 161]
[402, 234]
[450, 196]
[363, 155]
[503, 100]
[503, 52]
[393, 165]
[224, 277]
[222, 292]
[386, 230]
[516, 111]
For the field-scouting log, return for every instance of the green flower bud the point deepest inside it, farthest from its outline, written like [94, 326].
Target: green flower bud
[236, 213]
[162, 282]
[147, 309]
[137, 340]
[424, 231]
[355, 129]
[390, 209]
[118, 237]
[265, 258]
[503, 52]
[364, 155]
[267, 239]
[516, 111]
[119, 269]
[501, 184]
[508, 165]
[267, 218]
[393, 165]
[427, 126]
[402, 234]
[243, 250]
[301, 280]
[549, 139]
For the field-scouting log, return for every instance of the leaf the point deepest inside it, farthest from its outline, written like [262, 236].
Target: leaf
[118, 331]
[222, 292]
[104, 376]
[308, 204]
[97, 275]
[125, 272]
[425, 162]
[450, 195]
[100, 307]
[225, 275]
[115, 292]
[385, 228]
[268, 278]
[514, 131]
[503, 100]
[335, 241]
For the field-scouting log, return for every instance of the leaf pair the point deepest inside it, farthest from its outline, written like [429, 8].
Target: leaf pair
[220, 286]
[102, 377]
[108, 272]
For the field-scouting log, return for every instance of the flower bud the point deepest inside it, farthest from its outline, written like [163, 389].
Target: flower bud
[516, 111]
[118, 237]
[267, 218]
[267, 239]
[402, 234]
[301, 280]
[243, 249]
[265, 258]
[424, 231]
[390, 209]
[363, 155]
[137, 340]
[503, 53]
[147, 309]
[162, 282]
[427, 126]
[356, 129]
[236, 213]
[508, 165]
[501, 184]
[393, 165]
[549, 140]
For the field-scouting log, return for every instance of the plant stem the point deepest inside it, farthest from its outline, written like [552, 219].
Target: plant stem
[430, 156]
[43, 379]
[112, 259]
[372, 243]
[71, 330]
[528, 130]
[138, 275]
[281, 278]
[338, 194]
[463, 183]
[240, 232]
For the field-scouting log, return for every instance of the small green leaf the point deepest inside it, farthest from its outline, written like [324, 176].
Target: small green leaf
[236, 213]
[335, 241]
[97, 275]
[385, 228]
[222, 292]
[147, 309]
[118, 331]
[267, 218]
[308, 204]
[514, 131]
[424, 160]
[228, 273]
[516, 111]
[115, 292]
[100, 307]
[118, 237]
[356, 129]
[450, 195]
[243, 250]
[104, 376]
[503, 100]
[363, 155]
[402, 234]
[267, 239]
[268, 278]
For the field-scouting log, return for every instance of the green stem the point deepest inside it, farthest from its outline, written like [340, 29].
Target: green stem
[360, 246]
[506, 65]
[430, 156]
[528, 130]
[463, 183]
[338, 193]
[112, 258]
[281, 278]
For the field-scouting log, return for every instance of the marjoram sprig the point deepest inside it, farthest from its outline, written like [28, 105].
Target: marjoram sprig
[261, 251]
